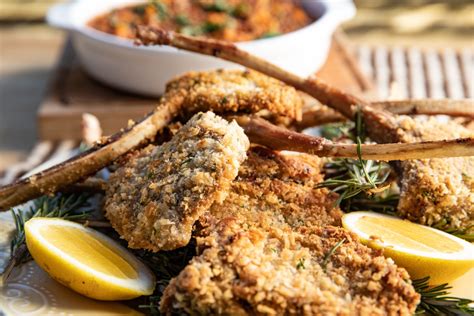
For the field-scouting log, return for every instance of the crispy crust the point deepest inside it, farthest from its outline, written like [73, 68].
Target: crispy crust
[436, 190]
[155, 198]
[279, 187]
[231, 91]
[263, 247]
[250, 270]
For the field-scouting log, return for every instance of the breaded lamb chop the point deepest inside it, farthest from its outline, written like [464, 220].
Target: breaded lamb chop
[223, 92]
[269, 269]
[440, 179]
[433, 191]
[155, 198]
[263, 250]
[282, 185]
[236, 91]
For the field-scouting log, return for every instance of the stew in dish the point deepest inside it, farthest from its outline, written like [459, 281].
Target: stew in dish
[231, 20]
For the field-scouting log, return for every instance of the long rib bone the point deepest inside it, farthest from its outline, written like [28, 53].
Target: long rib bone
[433, 191]
[337, 99]
[228, 92]
[262, 132]
[319, 115]
[89, 162]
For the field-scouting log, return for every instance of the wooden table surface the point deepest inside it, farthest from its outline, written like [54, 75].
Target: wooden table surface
[27, 55]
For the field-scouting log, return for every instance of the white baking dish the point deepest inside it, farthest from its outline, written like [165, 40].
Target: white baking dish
[145, 70]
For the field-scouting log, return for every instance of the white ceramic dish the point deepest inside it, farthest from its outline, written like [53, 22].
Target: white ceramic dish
[145, 70]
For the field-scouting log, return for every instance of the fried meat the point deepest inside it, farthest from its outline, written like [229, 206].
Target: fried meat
[265, 251]
[281, 186]
[154, 199]
[433, 191]
[231, 91]
[245, 269]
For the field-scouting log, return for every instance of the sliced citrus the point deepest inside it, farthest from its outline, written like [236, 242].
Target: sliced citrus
[422, 250]
[86, 260]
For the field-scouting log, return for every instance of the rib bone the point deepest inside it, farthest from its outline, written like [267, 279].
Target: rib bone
[319, 115]
[89, 162]
[228, 92]
[262, 132]
[434, 203]
[337, 99]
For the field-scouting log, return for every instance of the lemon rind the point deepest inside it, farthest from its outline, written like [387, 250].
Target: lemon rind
[467, 253]
[142, 284]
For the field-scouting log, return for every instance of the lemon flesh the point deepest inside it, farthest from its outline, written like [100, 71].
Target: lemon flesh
[87, 261]
[422, 250]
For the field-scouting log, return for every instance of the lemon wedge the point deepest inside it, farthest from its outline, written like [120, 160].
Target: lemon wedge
[422, 250]
[87, 261]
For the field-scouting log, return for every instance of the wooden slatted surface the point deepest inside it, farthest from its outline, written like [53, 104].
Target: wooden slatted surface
[418, 73]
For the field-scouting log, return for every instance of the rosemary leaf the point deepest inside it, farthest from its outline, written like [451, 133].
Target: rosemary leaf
[70, 207]
[165, 265]
[330, 253]
[436, 300]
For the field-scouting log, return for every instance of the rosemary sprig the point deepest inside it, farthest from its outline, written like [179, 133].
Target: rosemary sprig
[436, 300]
[165, 265]
[358, 180]
[461, 233]
[338, 130]
[70, 207]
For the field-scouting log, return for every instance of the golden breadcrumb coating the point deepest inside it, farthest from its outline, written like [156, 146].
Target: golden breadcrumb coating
[246, 269]
[231, 91]
[155, 198]
[436, 191]
[281, 185]
[263, 250]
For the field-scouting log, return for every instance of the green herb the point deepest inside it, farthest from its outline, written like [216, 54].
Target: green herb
[139, 9]
[330, 253]
[270, 34]
[161, 9]
[338, 130]
[385, 202]
[463, 233]
[300, 264]
[224, 100]
[210, 27]
[354, 178]
[436, 300]
[70, 207]
[218, 6]
[242, 10]
[191, 30]
[165, 265]
[182, 20]
[358, 180]
[204, 28]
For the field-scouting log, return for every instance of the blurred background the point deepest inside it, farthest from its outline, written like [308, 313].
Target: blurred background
[29, 50]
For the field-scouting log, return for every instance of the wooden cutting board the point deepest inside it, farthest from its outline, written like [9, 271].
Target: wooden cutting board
[72, 92]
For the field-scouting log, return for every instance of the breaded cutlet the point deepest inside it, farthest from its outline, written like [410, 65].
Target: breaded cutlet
[155, 198]
[436, 191]
[263, 251]
[283, 185]
[232, 91]
[247, 269]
